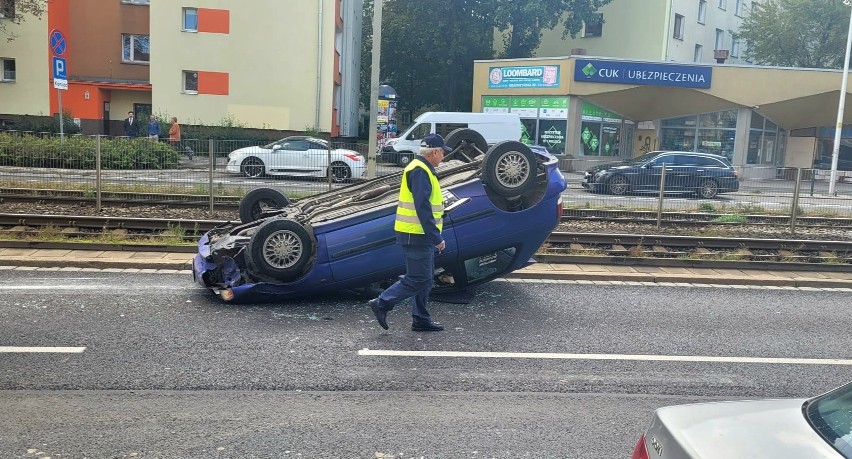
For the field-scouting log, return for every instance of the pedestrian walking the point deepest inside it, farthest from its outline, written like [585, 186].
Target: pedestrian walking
[174, 139]
[153, 128]
[419, 219]
[131, 126]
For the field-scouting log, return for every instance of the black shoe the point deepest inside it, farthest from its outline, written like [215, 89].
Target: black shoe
[381, 316]
[425, 325]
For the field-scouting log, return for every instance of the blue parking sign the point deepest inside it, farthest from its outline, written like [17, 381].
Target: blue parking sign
[60, 71]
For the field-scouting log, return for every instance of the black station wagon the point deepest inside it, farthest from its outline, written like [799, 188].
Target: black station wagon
[702, 174]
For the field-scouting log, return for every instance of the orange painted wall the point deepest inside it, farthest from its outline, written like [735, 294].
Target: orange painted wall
[214, 21]
[216, 83]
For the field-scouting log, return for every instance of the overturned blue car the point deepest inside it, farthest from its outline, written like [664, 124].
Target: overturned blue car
[501, 203]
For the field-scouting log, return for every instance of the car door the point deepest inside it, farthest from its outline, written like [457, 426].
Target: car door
[285, 157]
[315, 158]
[649, 175]
[680, 176]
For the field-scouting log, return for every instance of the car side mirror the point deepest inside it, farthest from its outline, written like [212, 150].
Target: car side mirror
[277, 147]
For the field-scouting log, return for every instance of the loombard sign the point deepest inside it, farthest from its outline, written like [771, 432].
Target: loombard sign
[536, 76]
[640, 73]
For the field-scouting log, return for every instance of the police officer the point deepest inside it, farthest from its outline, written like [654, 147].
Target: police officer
[419, 219]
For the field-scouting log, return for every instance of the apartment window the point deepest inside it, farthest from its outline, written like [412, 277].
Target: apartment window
[7, 9]
[738, 9]
[190, 20]
[594, 27]
[697, 56]
[135, 48]
[735, 47]
[723, 4]
[678, 27]
[190, 81]
[8, 66]
[720, 39]
[702, 11]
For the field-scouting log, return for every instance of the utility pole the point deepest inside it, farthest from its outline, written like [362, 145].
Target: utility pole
[374, 88]
[835, 153]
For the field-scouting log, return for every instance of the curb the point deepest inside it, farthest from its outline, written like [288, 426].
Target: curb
[532, 273]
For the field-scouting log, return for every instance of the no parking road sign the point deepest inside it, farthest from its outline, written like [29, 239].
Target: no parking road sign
[57, 42]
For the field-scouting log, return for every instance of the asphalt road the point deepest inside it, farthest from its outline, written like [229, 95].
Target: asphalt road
[167, 370]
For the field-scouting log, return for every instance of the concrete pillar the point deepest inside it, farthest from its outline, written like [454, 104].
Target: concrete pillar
[572, 131]
[741, 140]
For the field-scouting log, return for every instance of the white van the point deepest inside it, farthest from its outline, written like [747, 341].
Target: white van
[494, 127]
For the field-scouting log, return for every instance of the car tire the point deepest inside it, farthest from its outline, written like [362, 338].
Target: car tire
[618, 185]
[467, 144]
[253, 167]
[404, 159]
[339, 172]
[280, 249]
[256, 201]
[707, 189]
[509, 168]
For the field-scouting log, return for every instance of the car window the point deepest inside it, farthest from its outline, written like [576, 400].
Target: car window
[667, 159]
[482, 267]
[711, 162]
[831, 417]
[445, 128]
[296, 145]
[686, 160]
[420, 131]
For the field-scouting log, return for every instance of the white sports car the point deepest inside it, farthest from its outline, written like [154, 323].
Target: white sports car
[297, 156]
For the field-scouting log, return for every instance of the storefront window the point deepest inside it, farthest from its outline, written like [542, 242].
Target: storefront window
[707, 133]
[763, 146]
[551, 134]
[677, 139]
[600, 132]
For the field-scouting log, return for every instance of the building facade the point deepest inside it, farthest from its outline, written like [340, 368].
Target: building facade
[658, 30]
[594, 109]
[262, 64]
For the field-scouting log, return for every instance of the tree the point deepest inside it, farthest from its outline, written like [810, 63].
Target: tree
[15, 11]
[521, 22]
[796, 33]
[428, 46]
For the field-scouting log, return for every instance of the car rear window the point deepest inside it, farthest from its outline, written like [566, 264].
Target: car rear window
[831, 417]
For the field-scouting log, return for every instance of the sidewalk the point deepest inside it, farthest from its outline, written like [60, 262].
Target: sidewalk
[147, 260]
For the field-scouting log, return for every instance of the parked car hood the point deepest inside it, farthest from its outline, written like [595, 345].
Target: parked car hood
[250, 150]
[600, 167]
[763, 428]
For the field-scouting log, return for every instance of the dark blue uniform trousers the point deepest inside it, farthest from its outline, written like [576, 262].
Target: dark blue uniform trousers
[417, 282]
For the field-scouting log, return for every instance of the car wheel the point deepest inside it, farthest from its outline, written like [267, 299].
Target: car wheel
[618, 185]
[258, 201]
[404, 159]
[280, 249]
[708, 189]
[253, 167]
[509, 168]
[340, 172]
[466, 144]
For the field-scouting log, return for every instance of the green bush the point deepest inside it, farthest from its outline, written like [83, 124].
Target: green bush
[79, 152]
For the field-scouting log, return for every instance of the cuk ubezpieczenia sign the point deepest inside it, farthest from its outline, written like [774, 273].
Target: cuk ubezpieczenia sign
[643, 73]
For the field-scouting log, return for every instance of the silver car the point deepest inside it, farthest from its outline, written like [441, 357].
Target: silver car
[820, 427]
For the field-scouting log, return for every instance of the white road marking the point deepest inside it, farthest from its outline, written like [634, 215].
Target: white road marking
[635, 357]
[58, 350]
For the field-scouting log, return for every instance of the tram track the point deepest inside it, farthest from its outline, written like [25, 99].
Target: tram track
[560, 247]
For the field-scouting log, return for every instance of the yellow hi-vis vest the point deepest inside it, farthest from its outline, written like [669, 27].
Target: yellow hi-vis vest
[406, 214]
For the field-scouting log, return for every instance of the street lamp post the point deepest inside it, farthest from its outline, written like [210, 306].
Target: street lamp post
[374, 88]
[835, 154]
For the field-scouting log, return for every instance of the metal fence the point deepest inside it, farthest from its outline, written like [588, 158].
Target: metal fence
[221, 171]
[750, 190]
